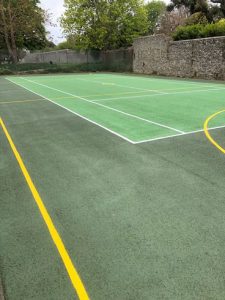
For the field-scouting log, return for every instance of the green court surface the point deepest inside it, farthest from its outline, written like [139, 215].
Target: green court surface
[135, 108]
[132, 185]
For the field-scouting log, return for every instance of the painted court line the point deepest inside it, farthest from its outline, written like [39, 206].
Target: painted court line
[113, 94]
[107, 107]
[72, 272]
[21, 101]
[138, 76]
[156, 95]
[176, 135]
[208, 135]
[35, 100]
[120, 85]
[111, 131]
[5, 91]
[82, 117]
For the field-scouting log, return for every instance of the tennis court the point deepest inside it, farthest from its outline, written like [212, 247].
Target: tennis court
[112, 187]
[135, 108]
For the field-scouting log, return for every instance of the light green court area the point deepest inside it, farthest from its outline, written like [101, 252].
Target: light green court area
[139, 220]
[135, 108]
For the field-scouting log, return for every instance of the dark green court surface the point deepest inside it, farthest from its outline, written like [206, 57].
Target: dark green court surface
[1, 290]
[132, 184]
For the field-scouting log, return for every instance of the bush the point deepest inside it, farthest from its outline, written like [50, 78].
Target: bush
[5, 72]
[199, 31]
[196, 18]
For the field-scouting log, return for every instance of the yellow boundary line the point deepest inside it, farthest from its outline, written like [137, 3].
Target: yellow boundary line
[87, 96]
[206, 130]
[21, 101]
[72, 272]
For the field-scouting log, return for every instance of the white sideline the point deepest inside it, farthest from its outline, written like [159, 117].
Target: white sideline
[107, 107]
[109, 130]
[87, 119]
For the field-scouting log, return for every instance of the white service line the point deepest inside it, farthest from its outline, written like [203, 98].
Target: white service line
[120, 85]
[154, 95]
[107, 107]
[111, 131]
[87, 119]
[175, 135]
[138, 76]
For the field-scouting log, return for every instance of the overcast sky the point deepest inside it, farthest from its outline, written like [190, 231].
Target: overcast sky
[55, 8]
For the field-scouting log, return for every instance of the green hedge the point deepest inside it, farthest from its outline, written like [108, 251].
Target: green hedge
[199, 31]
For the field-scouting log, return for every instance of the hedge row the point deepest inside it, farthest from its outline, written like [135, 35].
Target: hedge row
[199, 31]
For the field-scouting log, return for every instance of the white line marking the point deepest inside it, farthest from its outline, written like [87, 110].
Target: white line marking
[110, 83]
[107, 107]
[89, 120]
[126, 86]
[154, 95]
[138, 76]
[113, 132]
[175, 135]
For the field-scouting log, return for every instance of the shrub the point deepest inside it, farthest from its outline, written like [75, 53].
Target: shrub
[196, 18]
[199, 31]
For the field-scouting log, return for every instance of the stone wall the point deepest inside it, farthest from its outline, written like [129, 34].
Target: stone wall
[200, 58]
[117, 60]
[5, 57]
[63, 57]
[121, 59]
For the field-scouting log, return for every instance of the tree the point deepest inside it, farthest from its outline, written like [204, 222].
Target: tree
[222, 5]
[213, 13]
[22, 25]
[193, 5]
[104, 24]
[169, 21]
[154, 9]
[196, 18]
[70, 43]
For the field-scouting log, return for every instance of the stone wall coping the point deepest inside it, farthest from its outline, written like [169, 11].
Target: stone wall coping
[171, 40]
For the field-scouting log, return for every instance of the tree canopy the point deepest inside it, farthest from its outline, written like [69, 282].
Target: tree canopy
[22, 26]
[104, 24]
[155, 9]
[221, 5]
[192, 5]
[211, 12]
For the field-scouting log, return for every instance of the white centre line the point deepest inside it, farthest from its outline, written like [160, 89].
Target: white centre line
[107, 107]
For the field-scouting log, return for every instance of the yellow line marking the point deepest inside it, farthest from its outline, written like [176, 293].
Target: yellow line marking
[29, 100]
[87, 96]
[108, 83]
[21, 101]
[209, 137]
[73, 274]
